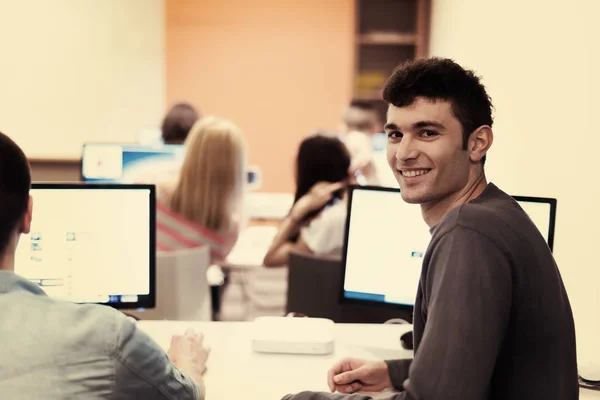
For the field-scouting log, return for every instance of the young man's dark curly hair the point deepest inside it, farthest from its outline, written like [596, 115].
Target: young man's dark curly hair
[442, 79]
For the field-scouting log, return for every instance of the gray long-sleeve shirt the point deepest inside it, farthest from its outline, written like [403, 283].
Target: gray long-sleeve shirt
[492, 319]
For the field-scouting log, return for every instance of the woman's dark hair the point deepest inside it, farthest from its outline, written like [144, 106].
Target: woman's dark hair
[321, 157]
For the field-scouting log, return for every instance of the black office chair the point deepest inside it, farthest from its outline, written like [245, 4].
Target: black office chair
[314, 284]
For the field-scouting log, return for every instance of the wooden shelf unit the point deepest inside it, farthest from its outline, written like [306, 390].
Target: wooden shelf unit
[388, 32]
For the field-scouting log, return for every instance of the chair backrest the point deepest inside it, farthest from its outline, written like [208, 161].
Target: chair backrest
[314, 284]
[182, 292]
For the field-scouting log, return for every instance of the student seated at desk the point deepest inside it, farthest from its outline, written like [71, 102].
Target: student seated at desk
[492, 319]
[316, 221]
[58, 350]
[202, 206]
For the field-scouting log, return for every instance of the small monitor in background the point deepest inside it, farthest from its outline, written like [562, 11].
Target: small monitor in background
[253, 177]
[137, 163]
[130, 163]
[386, 240]
[92, 243]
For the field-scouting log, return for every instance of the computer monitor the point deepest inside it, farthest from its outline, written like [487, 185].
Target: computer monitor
[386, 239]
[138, 163]
[129, 163]
[92, 243]
[542, 212]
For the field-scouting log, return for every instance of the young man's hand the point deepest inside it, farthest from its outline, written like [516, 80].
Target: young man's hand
[352, 375]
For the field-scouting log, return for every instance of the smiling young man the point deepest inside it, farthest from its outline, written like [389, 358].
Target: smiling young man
[492, 319]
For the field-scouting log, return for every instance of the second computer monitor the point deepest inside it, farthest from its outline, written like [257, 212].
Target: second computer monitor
[92, 243]
[130, 163]
[386, 239]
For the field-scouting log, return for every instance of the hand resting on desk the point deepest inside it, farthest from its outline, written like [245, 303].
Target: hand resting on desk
[350, 376]
[353, 375]
[189, 354]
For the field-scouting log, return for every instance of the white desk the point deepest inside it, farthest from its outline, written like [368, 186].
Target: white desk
[233, 368]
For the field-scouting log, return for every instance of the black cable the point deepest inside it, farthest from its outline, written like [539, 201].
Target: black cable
[589, 384]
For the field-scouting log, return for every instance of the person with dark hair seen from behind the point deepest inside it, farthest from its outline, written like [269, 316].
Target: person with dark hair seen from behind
[177, 123]
[362, 133]
[315, 223]
[67, 350]
[361, 116]
[492, 319]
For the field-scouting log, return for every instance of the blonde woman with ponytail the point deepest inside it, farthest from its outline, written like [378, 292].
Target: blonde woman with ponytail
[203, 206]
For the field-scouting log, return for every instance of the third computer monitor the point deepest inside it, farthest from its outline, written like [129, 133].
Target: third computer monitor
[386, 239]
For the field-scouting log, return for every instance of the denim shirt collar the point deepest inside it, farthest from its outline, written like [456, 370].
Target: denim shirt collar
[11, 282]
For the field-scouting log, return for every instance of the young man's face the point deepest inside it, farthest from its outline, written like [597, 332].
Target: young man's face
[425, 151]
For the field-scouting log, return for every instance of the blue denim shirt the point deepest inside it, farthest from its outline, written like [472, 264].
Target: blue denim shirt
[52, 349]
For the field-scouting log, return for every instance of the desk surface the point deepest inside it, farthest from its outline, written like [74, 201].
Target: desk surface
[233, 367]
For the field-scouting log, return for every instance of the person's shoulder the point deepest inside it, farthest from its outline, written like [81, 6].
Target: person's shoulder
[98, 316]
[486, 214]
[82, 328]
[81, 311]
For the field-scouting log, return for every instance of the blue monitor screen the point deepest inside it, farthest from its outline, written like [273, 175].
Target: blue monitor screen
[130, 163]
[134, 163]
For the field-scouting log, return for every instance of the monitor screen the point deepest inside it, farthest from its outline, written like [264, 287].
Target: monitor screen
[136, 163]
[542, 212]
[382, 263]
[92, 243]
[130, 163]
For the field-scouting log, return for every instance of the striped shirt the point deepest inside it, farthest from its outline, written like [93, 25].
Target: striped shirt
[173, 232]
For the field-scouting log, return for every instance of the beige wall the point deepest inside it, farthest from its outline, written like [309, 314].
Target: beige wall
[80, 70]
[540, 62]
[72, 79]
[280, 69]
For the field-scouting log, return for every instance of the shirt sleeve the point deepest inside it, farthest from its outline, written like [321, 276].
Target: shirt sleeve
[325, 234]
[398, 372]
[336, 396]
[143, 370]
[468, 289]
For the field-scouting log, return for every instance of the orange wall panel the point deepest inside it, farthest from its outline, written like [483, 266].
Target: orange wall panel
[279, 68]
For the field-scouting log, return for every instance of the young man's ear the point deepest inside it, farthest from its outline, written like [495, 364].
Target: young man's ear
[480, 142]
[26, 223]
